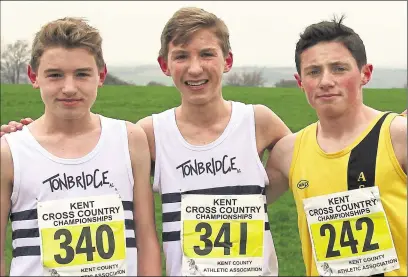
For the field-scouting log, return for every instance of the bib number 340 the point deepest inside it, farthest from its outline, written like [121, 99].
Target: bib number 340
[84, 244]
[76, 245]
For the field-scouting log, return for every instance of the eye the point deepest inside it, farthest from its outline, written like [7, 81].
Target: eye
[313, 72]
[339, 68]
[180, 57]
[54, 75]
[83, 74]
[207, 54]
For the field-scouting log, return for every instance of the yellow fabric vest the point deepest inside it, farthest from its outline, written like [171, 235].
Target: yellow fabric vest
[314, 172]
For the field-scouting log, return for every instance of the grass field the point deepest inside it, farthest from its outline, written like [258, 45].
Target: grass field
[133, 103]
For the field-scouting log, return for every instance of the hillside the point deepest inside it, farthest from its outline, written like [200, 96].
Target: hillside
[141, 75]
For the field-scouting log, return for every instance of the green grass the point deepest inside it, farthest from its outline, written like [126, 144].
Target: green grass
[133, 103]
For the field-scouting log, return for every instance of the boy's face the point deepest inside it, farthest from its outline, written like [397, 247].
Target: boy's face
[197, 68]
[68, 80]
[331, 78]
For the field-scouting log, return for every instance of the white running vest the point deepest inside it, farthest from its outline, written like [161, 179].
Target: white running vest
[54, 198]
[208, 194]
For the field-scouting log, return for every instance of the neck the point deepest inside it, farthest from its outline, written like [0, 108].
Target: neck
[51, 124]
[352, 120]
[204, 115]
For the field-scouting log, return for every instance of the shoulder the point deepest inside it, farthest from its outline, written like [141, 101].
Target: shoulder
[269, 126]
[146, 124]
[398, 134]
[398, 128]
[266, 118]
[135, 132]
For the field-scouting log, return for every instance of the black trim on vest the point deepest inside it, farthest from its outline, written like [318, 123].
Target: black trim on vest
[363, 159]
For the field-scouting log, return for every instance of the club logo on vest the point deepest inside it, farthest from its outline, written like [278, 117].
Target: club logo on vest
[361, 180]
[303, 184]
[96, 179]
[223, 166]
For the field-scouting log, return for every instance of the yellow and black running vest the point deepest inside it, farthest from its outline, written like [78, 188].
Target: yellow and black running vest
[370, 161]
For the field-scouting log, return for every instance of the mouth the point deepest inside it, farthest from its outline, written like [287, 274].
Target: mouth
[196, 83]
[69, 102]
[327, 96]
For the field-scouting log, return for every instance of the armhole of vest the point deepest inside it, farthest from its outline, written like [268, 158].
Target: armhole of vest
[390, 148]
[128, 162]
[295, 154]
[156, 177]
[16, 171]
[252, 129]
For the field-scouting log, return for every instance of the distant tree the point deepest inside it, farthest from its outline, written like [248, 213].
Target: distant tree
[14, 59]
[286, 84]
[246, 79]
[233, 80]
[155, 84]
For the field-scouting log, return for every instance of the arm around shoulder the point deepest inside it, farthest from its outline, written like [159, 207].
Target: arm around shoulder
[149, 259]
[398, 131]
[278, 167]
[6, 188]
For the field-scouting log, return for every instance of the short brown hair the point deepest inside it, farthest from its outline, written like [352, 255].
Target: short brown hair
[185, 22]
[68, 32]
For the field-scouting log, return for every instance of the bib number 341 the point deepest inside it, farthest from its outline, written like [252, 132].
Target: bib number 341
[217, 239]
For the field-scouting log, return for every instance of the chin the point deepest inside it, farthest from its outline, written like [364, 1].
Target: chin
[198, 99]
[71, 115]
[330, 111]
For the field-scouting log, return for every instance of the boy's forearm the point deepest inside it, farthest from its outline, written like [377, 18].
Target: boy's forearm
[2, 266]
[149, 261]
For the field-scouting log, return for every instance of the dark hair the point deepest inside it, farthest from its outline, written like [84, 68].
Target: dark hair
[334, 30]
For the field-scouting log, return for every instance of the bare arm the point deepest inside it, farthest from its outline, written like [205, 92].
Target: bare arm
[278, 166]
[398, 131]
[147, 126]
[6, 186]
[148, 258]
[269, 128]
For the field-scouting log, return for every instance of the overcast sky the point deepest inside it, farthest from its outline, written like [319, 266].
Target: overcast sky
[261, 33]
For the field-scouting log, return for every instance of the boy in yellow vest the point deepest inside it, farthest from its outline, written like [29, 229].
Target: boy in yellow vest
[348, 170]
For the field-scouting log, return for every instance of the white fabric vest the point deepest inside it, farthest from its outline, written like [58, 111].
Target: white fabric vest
[177, 171]
[41, 176]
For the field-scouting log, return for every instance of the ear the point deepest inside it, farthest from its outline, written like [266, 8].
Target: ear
[298, 80]
[229, 60]
[163, 65]
[366, 73]
[32, 76]
[102, 75]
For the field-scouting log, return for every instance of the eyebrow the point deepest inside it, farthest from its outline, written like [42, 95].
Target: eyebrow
[52, 70]
[179, 51]
[332, 63]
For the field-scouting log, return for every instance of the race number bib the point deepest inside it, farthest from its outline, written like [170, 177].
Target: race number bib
[83, 236]
[350, 234]
[222, 235]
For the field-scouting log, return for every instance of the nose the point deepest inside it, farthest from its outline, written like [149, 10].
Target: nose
[195, 67]
[326, 81]
[69, 88]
